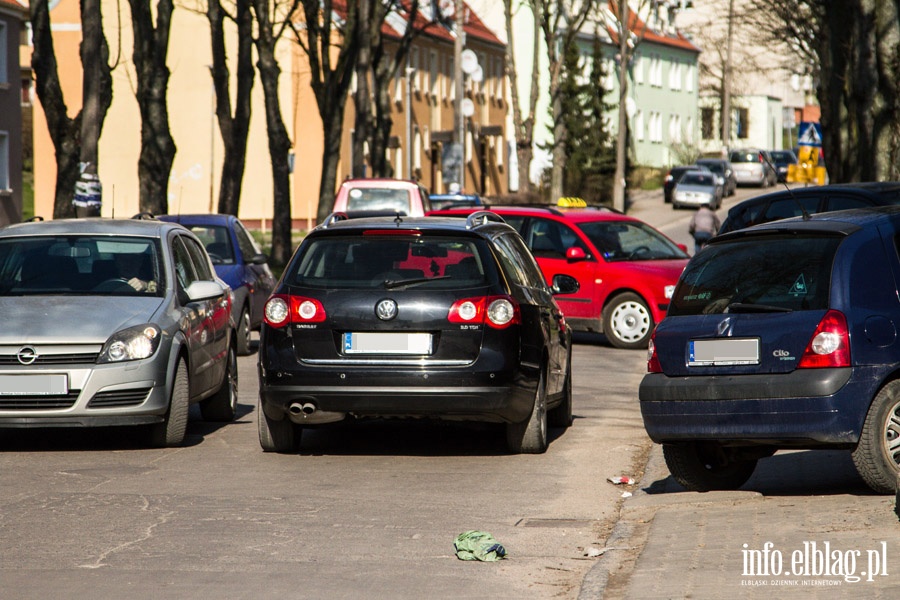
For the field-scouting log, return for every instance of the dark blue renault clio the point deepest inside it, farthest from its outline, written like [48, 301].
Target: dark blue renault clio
[781, 336]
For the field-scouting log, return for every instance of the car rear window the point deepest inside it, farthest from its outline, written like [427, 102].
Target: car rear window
[391, 262]
[745, 157]
[697, 179]
[758, 274]
[378, 199]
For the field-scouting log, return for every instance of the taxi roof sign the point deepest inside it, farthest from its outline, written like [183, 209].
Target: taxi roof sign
[571, 202]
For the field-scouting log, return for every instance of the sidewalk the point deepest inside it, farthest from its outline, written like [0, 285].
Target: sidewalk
[812, 528]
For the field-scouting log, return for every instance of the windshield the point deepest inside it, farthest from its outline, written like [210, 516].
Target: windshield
[753, 274]
[379, 199]
[84, 265]
[697, 179]
[391, 262]
[627, 240]
[217, 241]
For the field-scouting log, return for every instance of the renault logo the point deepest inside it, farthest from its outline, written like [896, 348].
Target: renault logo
[386, 310]
[27, 355]
[724, 326]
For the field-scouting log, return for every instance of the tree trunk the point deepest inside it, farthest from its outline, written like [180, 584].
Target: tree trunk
[233, 128]
[96, 83]
[523, 124]
[279, 141]
[362, 100]
[157, 146]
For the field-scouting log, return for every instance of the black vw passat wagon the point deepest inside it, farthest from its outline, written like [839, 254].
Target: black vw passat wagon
[438, 317]
[782, 335]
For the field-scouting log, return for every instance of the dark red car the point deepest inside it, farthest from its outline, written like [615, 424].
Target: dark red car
[627, 270]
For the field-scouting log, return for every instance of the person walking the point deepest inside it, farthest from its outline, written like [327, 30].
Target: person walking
[704, 224]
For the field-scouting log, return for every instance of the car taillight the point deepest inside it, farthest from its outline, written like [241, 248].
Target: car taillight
[282, 309]
[653, 365]
[830, 344]
[498, 312]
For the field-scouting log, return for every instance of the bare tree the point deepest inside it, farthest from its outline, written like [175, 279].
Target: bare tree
[523, 120]
[234, 125]
[272, 20]
[330, 79]
[561, 23]
[151, 45]
[853, 49]
[74, 139]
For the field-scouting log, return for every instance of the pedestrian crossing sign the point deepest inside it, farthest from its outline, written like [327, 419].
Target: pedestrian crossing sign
[809, 134]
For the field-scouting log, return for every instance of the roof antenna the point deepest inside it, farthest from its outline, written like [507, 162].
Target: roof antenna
[805, 214]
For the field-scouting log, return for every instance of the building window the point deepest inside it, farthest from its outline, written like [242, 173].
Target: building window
[414, 63]
[638, 69]
[707, 123]
[689, 79]
[4, 160]
[743, 123]
[675, 76]
[639, 126]
[433, 73]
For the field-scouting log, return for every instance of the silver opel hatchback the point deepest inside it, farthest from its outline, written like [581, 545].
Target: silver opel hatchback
[113, 322]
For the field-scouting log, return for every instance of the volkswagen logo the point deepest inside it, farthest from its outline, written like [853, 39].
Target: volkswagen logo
[386, 310]
[27, 355]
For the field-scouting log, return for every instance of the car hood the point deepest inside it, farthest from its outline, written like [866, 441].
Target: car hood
[74, 319]
[669, 269]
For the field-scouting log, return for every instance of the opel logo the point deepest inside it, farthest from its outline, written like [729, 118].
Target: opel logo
[386, 310]
[27, 355]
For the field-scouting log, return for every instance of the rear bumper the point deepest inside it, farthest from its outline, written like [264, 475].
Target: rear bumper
[810, 407]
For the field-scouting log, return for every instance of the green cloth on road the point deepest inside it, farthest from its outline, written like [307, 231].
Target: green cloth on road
[478, 545]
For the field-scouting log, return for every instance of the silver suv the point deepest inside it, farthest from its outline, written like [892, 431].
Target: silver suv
[112, 322]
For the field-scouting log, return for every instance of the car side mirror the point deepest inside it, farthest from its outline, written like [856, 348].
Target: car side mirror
[565, 284]
[575, 253]
[204, 290]
[683, 247]
[258, 259]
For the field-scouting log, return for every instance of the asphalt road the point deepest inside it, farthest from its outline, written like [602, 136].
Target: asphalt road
[368, 510]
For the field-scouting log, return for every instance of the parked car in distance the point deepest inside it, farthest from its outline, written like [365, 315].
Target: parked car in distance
[781, 336]
[625, 268]
[382, 196]
[239, 262]
[415, 317]
[442, 201]
[753, 166]
[723, 169]
[696, 188]
[113, 322]
[672, 178]
[782, 159]
[809, 200]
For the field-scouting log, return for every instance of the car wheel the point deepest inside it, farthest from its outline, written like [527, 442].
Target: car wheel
[222, 405]
[276, 436]
[877, 456]
[530, 436]
[700, 467]
[627, 322]
[171, 431]
[243, 333]
[561, 416]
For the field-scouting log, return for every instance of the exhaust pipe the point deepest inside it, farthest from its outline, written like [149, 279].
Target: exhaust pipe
[305, 409]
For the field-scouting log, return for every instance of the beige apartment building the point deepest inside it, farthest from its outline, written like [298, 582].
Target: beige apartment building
[193, 186]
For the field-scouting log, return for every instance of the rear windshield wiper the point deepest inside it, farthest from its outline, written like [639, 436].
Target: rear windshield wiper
[746, 307]
[391, 284]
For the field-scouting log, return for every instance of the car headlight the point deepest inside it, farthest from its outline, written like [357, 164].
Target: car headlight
[134, 343]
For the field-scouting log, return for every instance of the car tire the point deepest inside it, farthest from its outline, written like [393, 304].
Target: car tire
[530, 436]
[877, 456]
[704, 467]
[627, 322]
[222, 405]
[277, 436]
[171, 431]
[243, 333]
[561, 416]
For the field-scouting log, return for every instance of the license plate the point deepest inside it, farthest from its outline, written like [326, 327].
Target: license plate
[731, 351]
[36, 385]
[387, 343]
